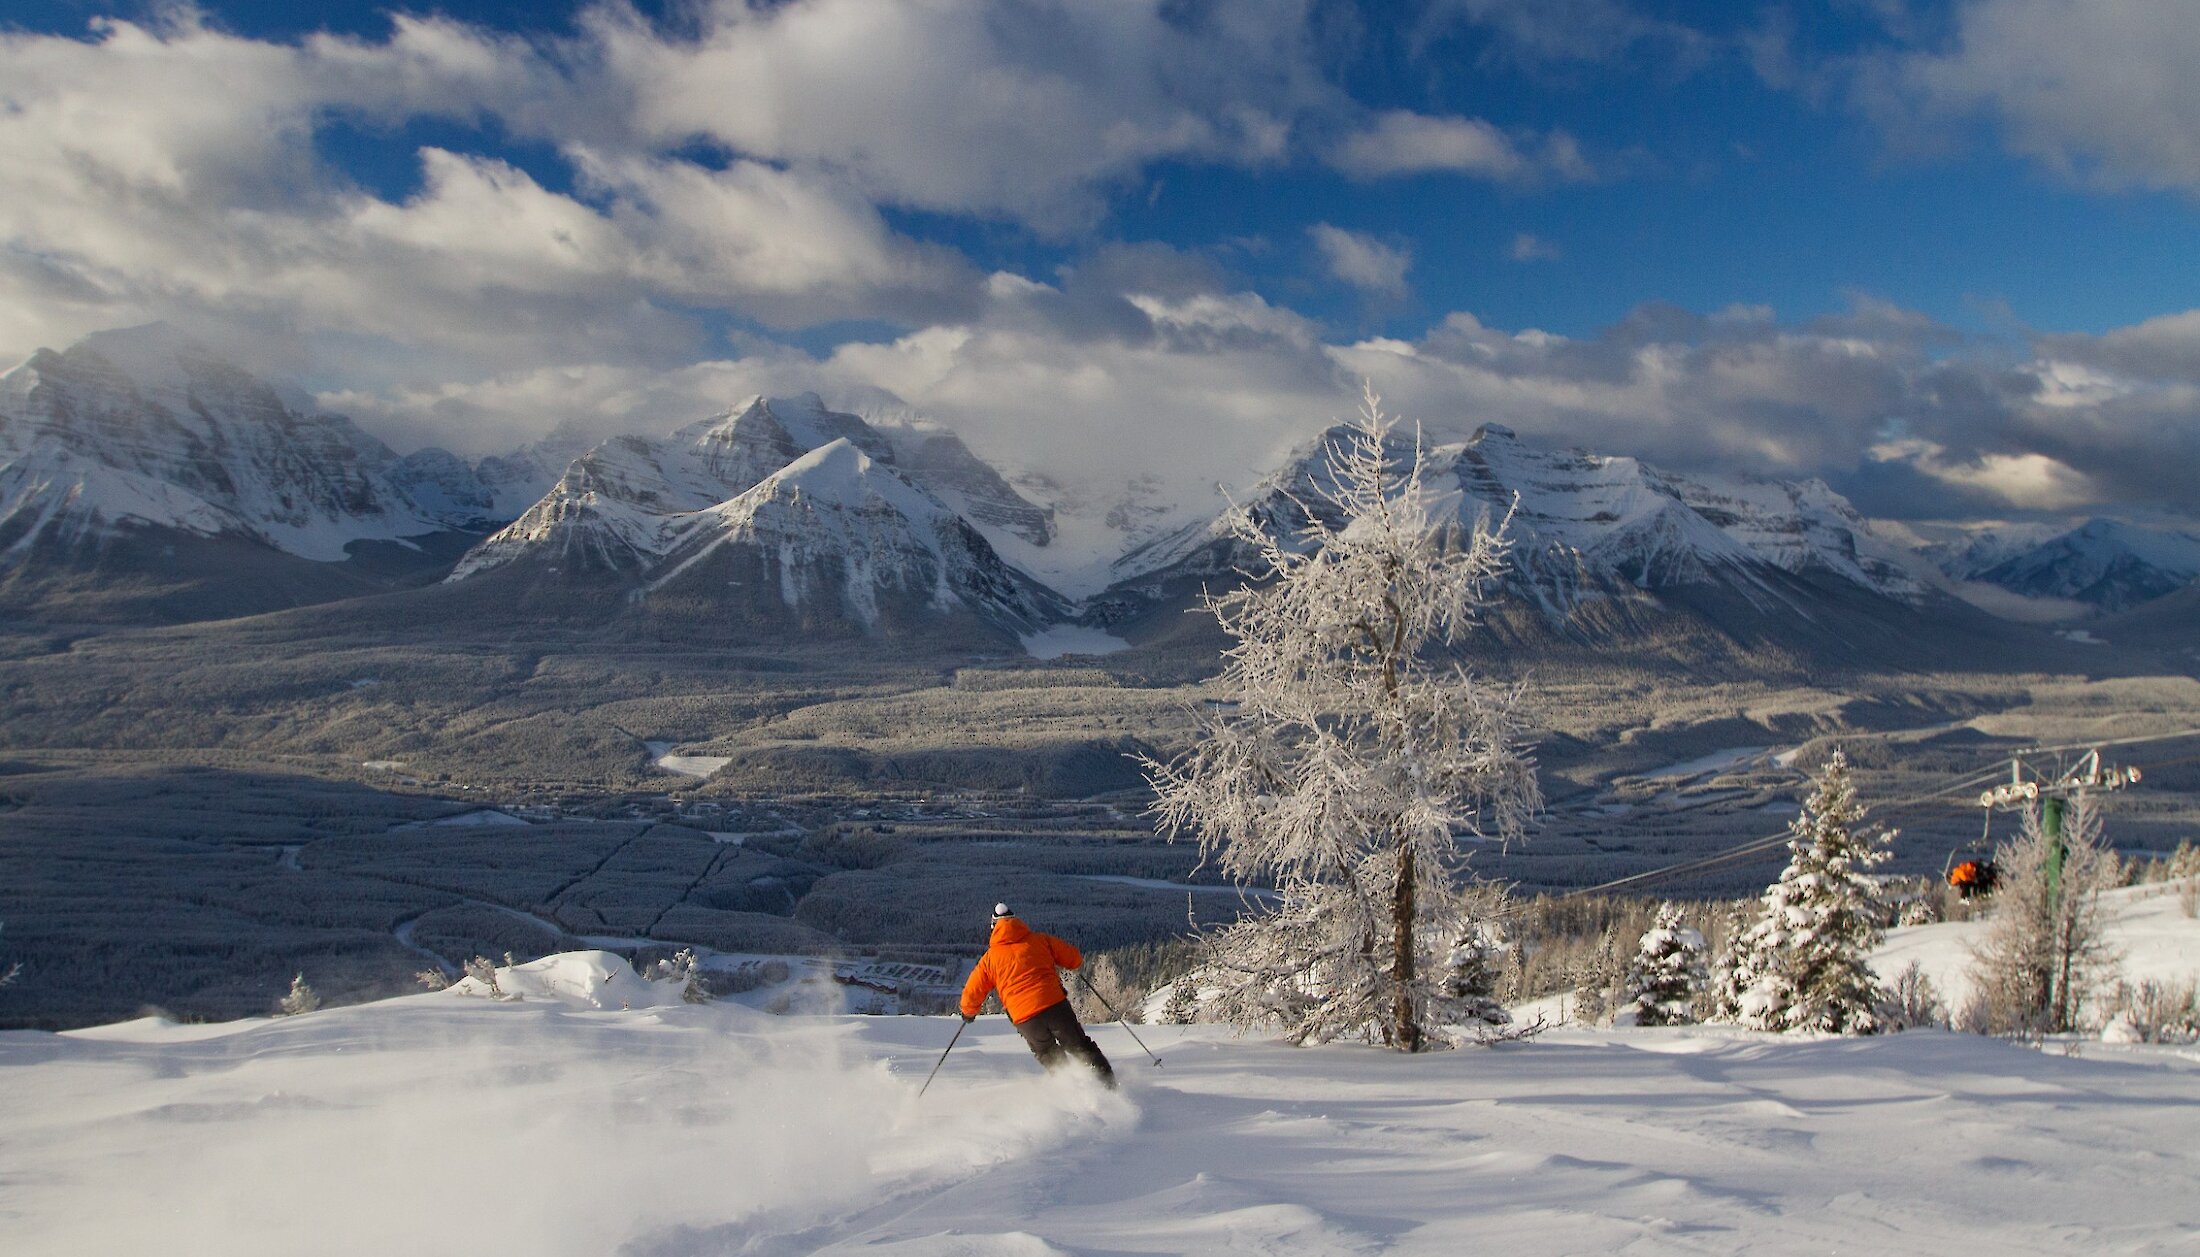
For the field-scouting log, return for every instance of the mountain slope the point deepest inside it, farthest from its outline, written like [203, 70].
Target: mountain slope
[236, 457]
[837, 533]
[1603, 548]
[139, 472]
[800, 508]
[2103, 563]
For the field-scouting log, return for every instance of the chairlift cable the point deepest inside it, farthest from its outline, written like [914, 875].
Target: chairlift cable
[1757, 846]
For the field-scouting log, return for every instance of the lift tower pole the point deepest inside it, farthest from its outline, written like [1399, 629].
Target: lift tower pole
[2051, 795]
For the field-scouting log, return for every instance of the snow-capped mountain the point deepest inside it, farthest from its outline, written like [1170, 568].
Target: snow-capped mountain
[614, 508]
[937, 458]
[2104, 563]
[785, 497]
[143, 429]
[841, 532]
[1584, 524]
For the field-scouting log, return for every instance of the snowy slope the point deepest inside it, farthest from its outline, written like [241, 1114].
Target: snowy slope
[936, 458]
[144, 428]
[564, 1125]
[2144, 923]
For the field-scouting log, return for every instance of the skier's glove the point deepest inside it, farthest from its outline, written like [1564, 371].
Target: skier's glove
[969, 1017]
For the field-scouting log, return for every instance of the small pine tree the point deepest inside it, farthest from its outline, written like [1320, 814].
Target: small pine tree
[682, 968]
[484, 971]
[302, 998]
[1667, 973]
[1471, 976]
[1731, 975]
[1182, 1008]
[1596, 982]
[1810, 948]
[2044, 954]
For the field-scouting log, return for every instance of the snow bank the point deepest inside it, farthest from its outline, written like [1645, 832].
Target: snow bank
[685, 765]
[535, 1129]
[444, 1125]
[1058, 640]
[580, 979]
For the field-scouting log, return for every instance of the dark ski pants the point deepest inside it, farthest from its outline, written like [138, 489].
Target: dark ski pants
[1054, 1036]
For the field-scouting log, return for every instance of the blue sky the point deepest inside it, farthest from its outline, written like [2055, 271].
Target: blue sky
[1942, 254]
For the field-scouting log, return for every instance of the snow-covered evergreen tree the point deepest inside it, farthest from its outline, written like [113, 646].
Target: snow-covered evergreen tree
[1355, 753]
[2044, 955]
[1731, 974]
[302, 998]
[1667, 974]
[1808, 953]
[1596, 982]
[1182, 1008]
[683, 968]
[1471, 979]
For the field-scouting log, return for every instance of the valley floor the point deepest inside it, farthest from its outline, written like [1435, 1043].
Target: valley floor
[447, 1124]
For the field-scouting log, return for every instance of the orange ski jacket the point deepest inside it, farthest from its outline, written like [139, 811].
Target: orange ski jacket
[1020, 961]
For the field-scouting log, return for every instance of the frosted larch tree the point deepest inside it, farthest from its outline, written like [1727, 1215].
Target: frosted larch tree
[2043, 954]
[1667, 973]
[1808, 953]
[1356, 751]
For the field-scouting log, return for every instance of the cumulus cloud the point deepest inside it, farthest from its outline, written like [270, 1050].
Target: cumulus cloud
[1362, 261]
[1908, 416]
[1402, 142]
[2100, 91]
[973, 105]
[2165, 348]
[2028, 481]
[740, 170]
[172, 172]
[1145, 364]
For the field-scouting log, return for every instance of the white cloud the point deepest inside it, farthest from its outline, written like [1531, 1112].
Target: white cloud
[172, 172]
[1136, 367]
[1527, 247]
[973, 105]
[2101, 91]
[1363, 261]
[2028, 481]
[1401, 142]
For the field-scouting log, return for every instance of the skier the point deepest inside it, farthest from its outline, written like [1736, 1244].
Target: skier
[1021, 963]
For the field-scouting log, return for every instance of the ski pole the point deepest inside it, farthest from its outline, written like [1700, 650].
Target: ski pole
[942, 1061]
[1118, 1018]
